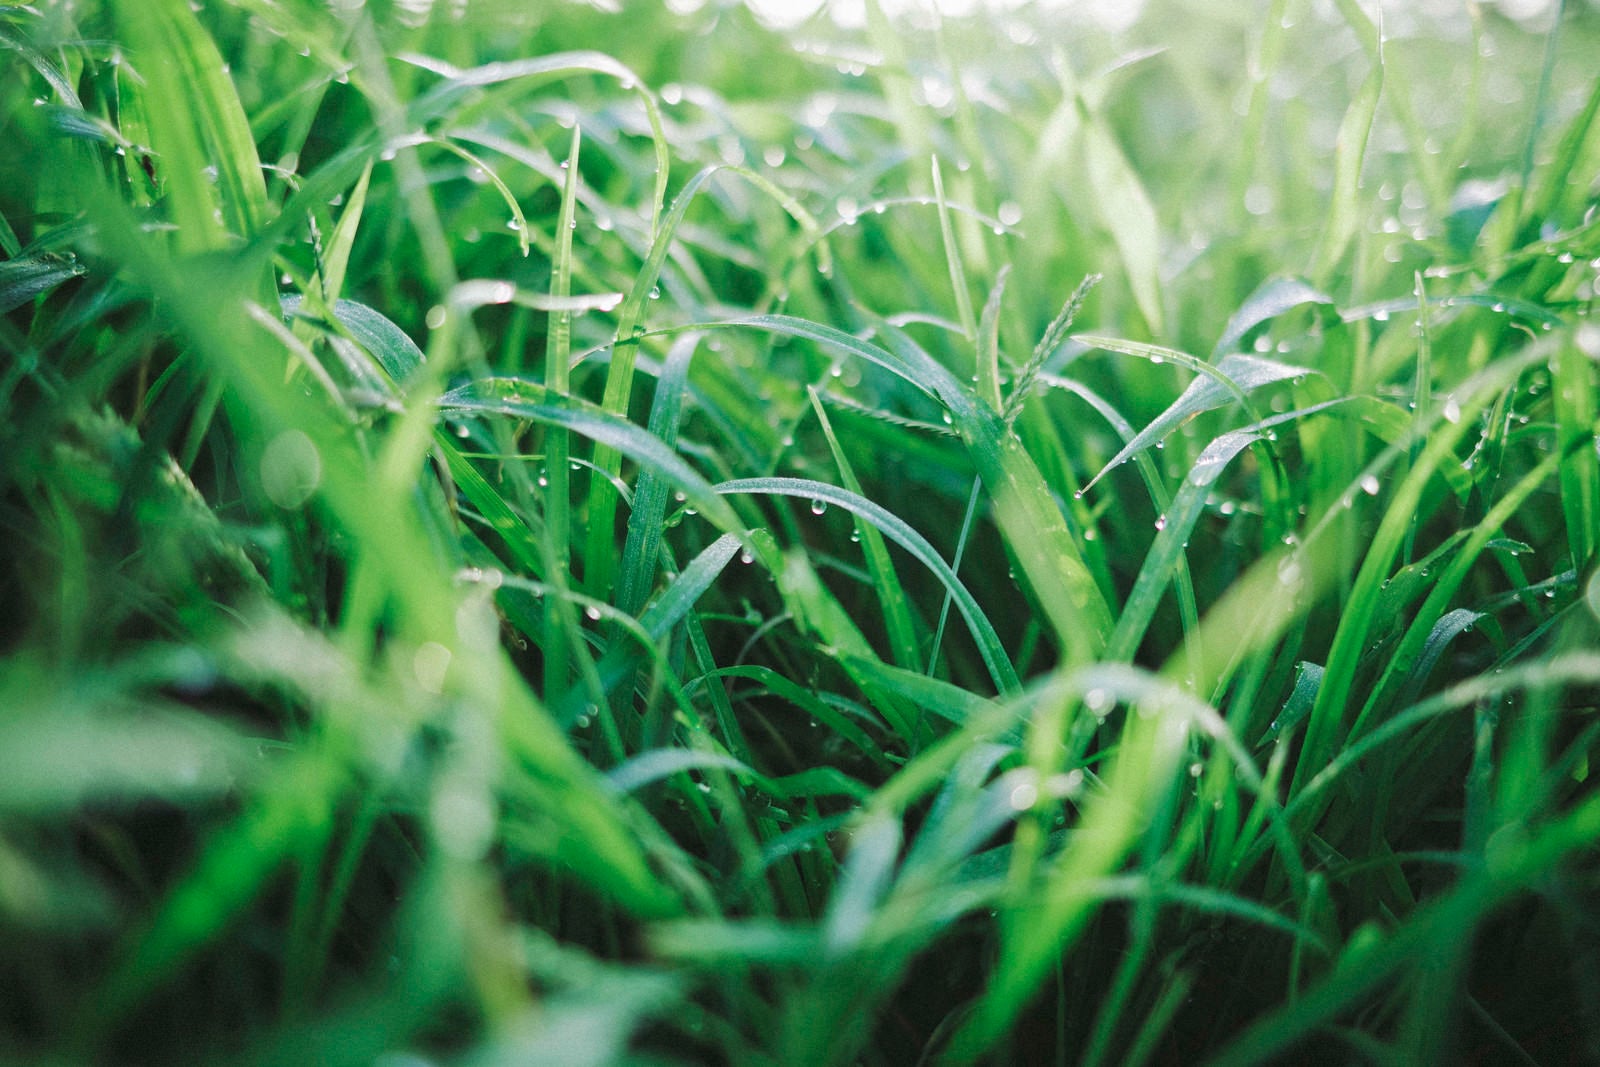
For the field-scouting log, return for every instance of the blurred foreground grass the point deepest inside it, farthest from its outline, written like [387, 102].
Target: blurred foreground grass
[545, 534]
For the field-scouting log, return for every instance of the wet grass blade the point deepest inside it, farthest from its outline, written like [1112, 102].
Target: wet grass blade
[885, 582]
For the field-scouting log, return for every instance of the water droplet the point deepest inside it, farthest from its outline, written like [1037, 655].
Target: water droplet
[1161, 522]
[291, 469]
[1452, 410]
[1369, 485]
[818, 507]
[1024, 796]
[655, 292]
[592, 613]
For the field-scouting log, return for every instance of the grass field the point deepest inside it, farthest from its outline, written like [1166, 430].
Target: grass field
[545, 534]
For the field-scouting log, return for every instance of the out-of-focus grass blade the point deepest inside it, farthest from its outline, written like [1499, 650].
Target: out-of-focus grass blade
[423, 604]
[1344, 209]
[1128, 215]
[56, 756]
[989, 646]
[1253, 613]
[868, 874]
[298, 797]
[1580, 145]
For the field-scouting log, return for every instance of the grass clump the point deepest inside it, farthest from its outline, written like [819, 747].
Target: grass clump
[583, 536]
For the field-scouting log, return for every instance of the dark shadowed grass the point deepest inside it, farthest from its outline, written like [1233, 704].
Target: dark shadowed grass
[554, 535]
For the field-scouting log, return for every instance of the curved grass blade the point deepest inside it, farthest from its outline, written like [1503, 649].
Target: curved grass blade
[25, 277]
[1027, 514]
[989, 646]
[806, 700]
[652, 766]
[394, 350]
[1271, 299]
[527, 400]
[1233, 378]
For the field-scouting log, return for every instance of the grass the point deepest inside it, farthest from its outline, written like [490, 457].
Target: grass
[552, 535]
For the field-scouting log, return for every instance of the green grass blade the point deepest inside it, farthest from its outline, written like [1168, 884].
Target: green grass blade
[519, 399]
[885, 582]
[1329, 718]
[651, 492]
[198, 126]
[989, 645]
[952, 258]
[1344, 210]
[1125, 209]
[1573, 392]
[1233, 378]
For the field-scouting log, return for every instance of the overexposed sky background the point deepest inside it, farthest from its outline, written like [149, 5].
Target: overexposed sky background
[1112, 14]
